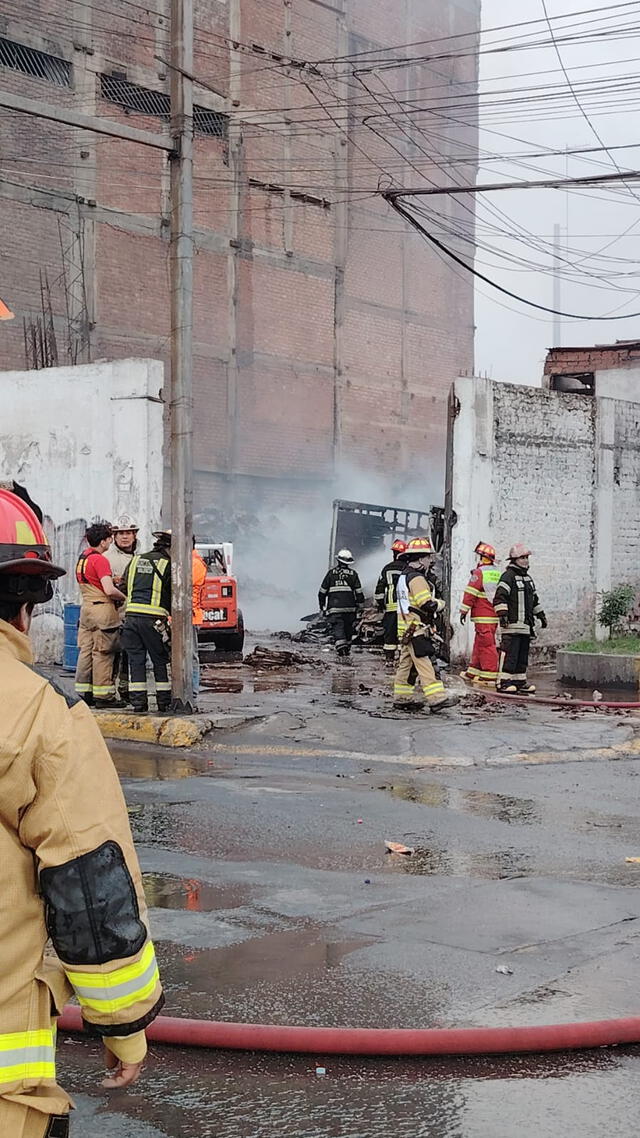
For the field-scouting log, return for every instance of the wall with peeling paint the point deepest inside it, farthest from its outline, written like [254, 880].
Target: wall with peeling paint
[87, 443]
[560, 472]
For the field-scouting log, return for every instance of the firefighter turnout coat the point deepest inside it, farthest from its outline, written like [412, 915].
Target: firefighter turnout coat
[479, 594]
[148, 584]
[517, 600]
[69, 872]
[385, 594]
[341, 591]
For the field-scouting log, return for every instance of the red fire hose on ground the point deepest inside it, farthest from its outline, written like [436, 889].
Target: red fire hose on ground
[557, 701]
[381, 1041]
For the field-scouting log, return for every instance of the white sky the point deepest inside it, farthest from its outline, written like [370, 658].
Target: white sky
[511, 343]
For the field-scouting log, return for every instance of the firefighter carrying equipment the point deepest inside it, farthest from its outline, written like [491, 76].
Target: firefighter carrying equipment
[98, 636]
[477, 601]
[68, 870]
[417, 606]
[26, 568]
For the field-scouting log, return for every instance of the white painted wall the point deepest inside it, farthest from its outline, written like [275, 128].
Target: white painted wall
[86, 441]
[560, 472]
[618, 383]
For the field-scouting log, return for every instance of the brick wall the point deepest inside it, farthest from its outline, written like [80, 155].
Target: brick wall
[559, 472]
[276, 403]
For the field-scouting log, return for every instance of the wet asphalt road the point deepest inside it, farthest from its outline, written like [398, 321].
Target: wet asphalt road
[273, 900]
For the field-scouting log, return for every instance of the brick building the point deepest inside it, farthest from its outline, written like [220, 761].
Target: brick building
[327, 332]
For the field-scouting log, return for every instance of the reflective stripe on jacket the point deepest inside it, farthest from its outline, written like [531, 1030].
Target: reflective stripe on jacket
[148, 585]
[385, 593]
[413, 593]
[479, 593]
[341, 590]
[68, 871]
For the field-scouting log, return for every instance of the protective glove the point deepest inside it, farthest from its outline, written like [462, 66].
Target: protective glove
[430, 608]
[543, 620]
[463, 618]
[504, 620]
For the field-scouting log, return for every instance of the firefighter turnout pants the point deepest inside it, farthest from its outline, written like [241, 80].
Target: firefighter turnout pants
[484, 658]
[390, 627]
[404, 683]
[342, 625]
[514, 660]
[139, 639]
[17, 1120]
[98, 643]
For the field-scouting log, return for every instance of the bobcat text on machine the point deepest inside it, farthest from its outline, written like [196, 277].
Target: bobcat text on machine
[223, 623]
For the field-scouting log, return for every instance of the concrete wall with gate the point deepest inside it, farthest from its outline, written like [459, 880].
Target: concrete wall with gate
[560, 472]
[86, 441]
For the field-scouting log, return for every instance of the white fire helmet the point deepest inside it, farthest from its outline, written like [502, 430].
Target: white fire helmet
[125, 521]
[345, 556]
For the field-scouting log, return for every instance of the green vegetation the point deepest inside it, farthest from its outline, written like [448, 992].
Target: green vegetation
[616, 605]
[618, 646]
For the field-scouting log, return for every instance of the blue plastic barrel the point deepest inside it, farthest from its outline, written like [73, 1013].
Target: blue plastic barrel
[71, 622]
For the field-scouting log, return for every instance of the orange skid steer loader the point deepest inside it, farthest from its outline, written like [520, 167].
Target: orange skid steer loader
[222, 623]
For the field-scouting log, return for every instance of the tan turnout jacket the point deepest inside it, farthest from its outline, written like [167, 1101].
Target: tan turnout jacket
[68, 870]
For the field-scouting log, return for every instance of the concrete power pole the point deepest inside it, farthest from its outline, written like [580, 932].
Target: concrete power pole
[181, 401]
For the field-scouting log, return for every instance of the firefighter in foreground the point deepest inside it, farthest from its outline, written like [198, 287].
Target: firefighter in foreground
[99, 631]
[517, 605]
[119, 555]
[68, 869]
[478, 601]
[341, 595]
[417, 607]
[387, 602]
[146, 625]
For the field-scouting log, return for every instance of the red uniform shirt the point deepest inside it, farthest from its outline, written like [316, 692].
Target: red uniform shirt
[91, 568]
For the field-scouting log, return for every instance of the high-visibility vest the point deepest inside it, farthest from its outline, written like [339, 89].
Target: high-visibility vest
[149, 586]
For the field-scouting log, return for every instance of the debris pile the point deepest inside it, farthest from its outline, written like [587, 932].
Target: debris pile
[262, 658]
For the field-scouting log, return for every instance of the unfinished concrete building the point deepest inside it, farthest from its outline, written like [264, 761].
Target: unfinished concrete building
[326, 331]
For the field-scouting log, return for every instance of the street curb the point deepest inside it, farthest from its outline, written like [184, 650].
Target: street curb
[168, 731]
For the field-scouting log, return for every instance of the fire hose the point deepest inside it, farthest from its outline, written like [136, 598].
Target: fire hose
[381, 1041]
[558, 701]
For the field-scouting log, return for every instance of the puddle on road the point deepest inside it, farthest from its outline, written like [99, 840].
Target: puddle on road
[161, 763]
[485, 804]
[491, 866]
[165, 891]
[263, 959]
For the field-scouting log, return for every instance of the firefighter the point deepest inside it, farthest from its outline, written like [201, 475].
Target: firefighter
[517, 605]
[68, 869]
[386, 601]
[342, 596]
[417, 607]
[99, 631]
[477, 600]
[125, 542]
[146, 625]
[119, 555]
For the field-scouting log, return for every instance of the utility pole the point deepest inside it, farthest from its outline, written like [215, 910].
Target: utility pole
[181, 399]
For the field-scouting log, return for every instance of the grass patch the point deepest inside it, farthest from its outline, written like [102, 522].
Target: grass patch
[617, 646]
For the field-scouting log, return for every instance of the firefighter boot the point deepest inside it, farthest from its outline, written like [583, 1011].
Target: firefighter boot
[450, 701]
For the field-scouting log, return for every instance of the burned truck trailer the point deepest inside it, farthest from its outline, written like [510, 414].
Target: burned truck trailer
[365, 529]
